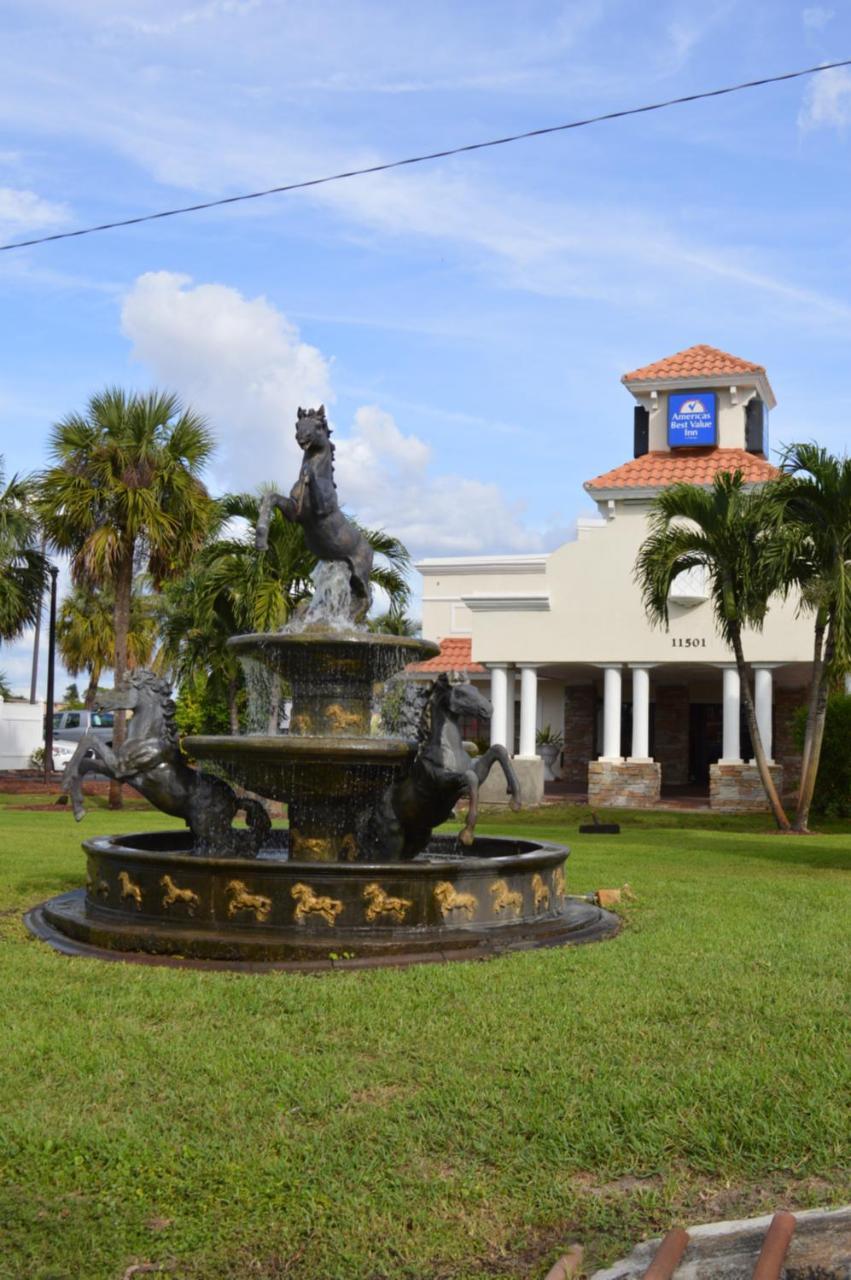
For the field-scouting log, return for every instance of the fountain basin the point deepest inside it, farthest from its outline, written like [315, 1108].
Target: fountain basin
[147, 895]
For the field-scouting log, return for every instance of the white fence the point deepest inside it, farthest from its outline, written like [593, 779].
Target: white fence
[21, 731]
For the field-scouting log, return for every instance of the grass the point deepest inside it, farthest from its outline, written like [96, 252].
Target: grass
[441, 1122]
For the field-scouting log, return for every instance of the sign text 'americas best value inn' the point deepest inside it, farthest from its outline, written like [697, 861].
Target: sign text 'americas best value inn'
[691, 419]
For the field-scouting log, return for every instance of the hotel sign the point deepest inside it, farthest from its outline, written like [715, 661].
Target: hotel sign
[691, 419]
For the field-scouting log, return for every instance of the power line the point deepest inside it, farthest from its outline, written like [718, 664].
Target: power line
[431, 155]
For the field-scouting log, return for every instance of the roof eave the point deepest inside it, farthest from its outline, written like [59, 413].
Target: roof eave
[746, 377]
[642, 493]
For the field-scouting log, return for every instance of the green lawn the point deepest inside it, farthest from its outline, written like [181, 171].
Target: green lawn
[460, 1122]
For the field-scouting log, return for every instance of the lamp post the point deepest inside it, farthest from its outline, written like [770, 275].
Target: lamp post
[51, 663]
[37, 640]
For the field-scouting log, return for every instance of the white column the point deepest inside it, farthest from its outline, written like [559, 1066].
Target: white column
[528, 710]
[848, 684]
[509, 710]
[499, 690]
[762, 705]
[731, 750]
[640, 711]
[611, 713]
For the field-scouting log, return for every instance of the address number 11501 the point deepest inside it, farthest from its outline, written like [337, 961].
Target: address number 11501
[686, 642]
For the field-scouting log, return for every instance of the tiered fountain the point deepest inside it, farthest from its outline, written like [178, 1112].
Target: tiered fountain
[358, 877]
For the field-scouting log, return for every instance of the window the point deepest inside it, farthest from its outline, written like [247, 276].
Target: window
[102, 720]
[57, 721]
[72, 719]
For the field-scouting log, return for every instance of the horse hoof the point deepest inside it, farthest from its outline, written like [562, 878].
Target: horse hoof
[515, 806]
[467, 837]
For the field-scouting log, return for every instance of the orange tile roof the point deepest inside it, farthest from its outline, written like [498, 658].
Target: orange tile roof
[695, 362]
[695, 466]
[455, 655]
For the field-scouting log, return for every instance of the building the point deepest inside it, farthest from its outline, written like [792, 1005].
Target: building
[563, 640]
[21, 732]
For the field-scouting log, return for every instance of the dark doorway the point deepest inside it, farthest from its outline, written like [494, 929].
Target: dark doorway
[706, 739]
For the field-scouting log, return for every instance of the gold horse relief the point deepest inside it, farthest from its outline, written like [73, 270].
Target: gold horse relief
[129, 889]
[448, 899]
[381, 904]
[558, 882]
[541, 893]
[173, 893]
[339, 719]
[505, 898]
[241, 899]
[309, 903]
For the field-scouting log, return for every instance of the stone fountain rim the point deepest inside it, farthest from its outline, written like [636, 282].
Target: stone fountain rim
[542, 853]
[300, 746]
[367, 639]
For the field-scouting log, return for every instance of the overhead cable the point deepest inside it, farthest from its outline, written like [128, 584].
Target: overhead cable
[431, 155]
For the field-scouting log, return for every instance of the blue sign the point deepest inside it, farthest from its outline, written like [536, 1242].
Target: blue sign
[691, 418]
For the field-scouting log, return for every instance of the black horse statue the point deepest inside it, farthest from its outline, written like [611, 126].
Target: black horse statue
[441, 774]
[150, 760]
[313, 504]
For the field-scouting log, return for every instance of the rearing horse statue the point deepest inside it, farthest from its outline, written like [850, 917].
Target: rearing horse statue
[150, 760]
[313, 504]
[441, 774]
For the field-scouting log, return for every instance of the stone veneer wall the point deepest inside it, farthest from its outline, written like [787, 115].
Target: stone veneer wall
[629, 784]
[786, 753]
[737, 788]
[580, 706]
[672, 731]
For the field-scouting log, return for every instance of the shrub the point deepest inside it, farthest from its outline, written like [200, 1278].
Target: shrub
[833, 785]
[201, 708]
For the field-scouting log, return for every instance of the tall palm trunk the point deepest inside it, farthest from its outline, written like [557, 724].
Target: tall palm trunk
[756, 738]
[233, 707]
[815, 734]
[812, 703]
[91, 695]
[123, 594]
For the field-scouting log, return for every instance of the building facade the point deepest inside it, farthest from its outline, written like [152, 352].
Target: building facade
[563, 642]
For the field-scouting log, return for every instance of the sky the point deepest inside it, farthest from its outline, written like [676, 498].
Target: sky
[467, 321]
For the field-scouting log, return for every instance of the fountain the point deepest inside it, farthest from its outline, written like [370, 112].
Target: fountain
[358, 878]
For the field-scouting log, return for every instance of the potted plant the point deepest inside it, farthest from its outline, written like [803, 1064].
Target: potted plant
[549, 744]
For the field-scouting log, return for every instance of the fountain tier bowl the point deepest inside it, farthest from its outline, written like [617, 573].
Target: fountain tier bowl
[148, 896]
[332, 674]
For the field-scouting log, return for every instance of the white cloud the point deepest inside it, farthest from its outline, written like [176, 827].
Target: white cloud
[386, 477]
[22, 211]
[827, 101]
[816, 17]
[237, 360]
[243, 364]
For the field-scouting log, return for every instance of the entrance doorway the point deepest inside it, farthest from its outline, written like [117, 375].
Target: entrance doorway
[706, 739]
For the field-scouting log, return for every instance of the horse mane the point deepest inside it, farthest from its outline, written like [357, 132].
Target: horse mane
[141, 678]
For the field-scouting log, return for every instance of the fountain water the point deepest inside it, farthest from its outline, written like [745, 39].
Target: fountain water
[358, 877]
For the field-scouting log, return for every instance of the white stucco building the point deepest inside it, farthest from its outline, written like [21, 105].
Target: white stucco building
[21, 732]
[562, 639]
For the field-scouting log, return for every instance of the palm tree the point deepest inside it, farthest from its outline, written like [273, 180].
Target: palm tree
[23, 568]
[726, 530]
[395, 623]
[85, 633]
[194, 627]
[814, 501]
[124, 493]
